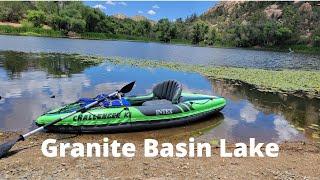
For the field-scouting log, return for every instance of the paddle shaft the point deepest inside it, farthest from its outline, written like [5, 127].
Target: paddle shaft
[64, 117]
[5, 147]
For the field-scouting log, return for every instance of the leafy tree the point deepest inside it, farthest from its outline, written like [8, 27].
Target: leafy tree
[162, 29]
[107, 26]
[210, 38]
[142, 28]
[77, 25]
[13, 11]
[283, 35]
[269, 33]
[36, 17]
[92, 17]
[198, 32]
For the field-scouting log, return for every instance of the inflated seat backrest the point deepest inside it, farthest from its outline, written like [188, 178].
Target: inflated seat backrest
[169, 90]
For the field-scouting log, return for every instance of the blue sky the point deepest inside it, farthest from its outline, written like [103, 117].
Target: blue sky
[154, 10]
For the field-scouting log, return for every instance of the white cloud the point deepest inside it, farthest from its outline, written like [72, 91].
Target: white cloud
[123, 3]
[151, 12]
[248, 113]
[100, 6]
[110, 3]
[284, 130]
[155, 6]
[140, 12]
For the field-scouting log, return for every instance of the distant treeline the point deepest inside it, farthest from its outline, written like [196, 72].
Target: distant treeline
[239, 24]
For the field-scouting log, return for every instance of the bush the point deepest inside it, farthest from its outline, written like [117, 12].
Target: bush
[77, 25]
[36, 17]
[283, 34]
[26, 23]
[316, 41]
[210, 38]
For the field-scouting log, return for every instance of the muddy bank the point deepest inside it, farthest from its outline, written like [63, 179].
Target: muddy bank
[296, 160]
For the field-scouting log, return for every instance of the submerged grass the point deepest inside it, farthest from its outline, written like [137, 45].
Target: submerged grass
[288, 81]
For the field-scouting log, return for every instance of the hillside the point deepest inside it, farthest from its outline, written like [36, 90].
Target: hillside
[270, 25]
[266, 23]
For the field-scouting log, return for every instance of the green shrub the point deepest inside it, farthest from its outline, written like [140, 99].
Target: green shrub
[36, 17]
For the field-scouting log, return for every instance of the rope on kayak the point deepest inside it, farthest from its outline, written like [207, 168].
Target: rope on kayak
[65, 107]
[200, 103]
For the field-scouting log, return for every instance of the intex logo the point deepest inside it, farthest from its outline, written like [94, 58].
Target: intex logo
[163, 111]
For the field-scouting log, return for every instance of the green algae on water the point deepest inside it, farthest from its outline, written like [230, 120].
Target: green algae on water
[289, 81]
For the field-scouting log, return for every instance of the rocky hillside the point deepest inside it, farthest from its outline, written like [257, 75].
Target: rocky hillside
[251, 23]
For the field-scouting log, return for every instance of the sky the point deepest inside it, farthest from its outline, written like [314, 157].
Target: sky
[154, 10]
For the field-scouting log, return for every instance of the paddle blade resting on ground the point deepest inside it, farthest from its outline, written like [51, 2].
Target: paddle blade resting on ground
[5, 147]
[127, 88]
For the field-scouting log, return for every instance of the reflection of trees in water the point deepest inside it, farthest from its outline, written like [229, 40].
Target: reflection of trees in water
[299, 110]
[13, 63]
[57, 65]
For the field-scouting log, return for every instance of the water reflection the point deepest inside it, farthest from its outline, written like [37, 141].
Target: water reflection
[279, 111]
[158, 51]
[27, 81]
[57, 65]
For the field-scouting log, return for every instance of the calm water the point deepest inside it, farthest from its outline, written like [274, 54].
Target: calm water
[28, 81]
[157, 51]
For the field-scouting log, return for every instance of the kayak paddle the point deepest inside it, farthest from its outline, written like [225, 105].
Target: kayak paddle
[5, 147]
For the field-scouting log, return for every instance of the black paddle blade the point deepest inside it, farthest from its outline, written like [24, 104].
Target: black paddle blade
[127, 88]
[5, 147]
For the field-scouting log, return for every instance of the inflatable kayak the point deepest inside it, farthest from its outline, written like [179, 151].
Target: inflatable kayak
[166, 106]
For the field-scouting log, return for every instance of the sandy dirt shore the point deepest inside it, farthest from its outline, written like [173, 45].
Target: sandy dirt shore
[297, 160]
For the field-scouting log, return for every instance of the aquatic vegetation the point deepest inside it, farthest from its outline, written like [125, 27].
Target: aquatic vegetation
[299, 82]
[29, 31]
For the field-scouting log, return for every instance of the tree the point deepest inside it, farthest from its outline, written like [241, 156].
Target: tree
[283, 34]
[13, 11]
[199, 30]
[59, 22]
[163, 30]
[36, 17]
[107, 26]
[269, 33]
[77, 25]
[210, 38]
[92, 17]
[142, 28]
[192, 18]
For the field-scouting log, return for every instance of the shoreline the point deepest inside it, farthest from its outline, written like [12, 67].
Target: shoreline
[301, 49]
[23, 161]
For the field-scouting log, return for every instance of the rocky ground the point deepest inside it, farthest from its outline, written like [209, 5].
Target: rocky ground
[297, 160]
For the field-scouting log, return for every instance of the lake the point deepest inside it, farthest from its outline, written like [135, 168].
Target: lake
[157, 51]
[28, 81]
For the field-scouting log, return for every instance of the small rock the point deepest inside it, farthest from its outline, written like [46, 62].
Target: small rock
[53, 96]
